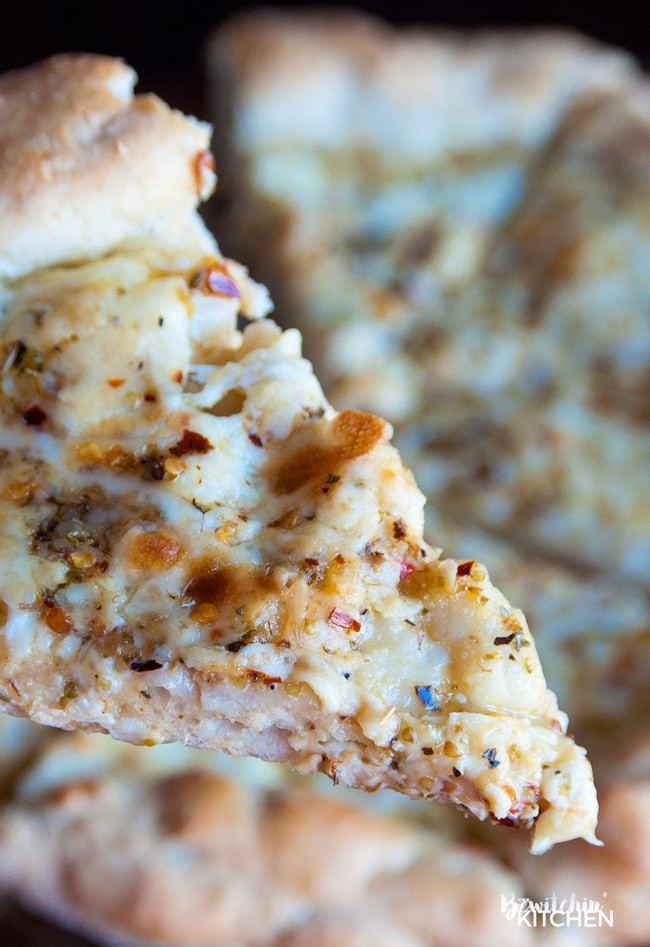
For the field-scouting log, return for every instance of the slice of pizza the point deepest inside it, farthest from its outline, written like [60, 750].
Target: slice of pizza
[552, 448]
[170, 846]
[460, 231]
[381, 204]
[195, 545]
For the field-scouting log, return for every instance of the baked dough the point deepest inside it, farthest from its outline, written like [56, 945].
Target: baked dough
[197, 547]
[87, 167]
[136, 846]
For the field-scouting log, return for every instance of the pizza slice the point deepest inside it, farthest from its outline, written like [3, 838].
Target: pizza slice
[170, 846]
[562, 305]
[460, 231]
[195, 545]
[370, 214]
[575, 253]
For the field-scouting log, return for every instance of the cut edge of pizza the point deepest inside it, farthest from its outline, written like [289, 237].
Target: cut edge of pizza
[196, 547]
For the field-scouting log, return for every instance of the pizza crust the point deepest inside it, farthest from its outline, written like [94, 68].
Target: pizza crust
[73, 138]
[135, 846]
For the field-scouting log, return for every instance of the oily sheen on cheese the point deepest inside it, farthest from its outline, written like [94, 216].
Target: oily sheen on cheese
[195, 546]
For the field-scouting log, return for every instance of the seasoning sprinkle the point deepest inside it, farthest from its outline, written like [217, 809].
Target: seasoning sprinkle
[491, 756]
[425, 694]
[191, 443]
[34, 416]
[141, 666]
[342, 620]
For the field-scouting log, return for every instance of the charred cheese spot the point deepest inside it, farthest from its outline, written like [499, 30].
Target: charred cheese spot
[236, 598]
[153, 551]
[352, 434]
[236, 584]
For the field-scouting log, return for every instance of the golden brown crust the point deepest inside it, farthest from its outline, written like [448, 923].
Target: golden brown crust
[85, 166]
[111, 839]
[272, 59]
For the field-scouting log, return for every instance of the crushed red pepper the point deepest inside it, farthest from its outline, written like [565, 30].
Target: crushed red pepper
[215, 280]
[342, 620]
[191, 443]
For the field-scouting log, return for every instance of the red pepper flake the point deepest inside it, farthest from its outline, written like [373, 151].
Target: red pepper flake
[204, 171]
[427, 750]
[191, 443]
[205, 159]
[342, 620]
[456, 771]
[405, 570]
[255, 439]
[178, 378]
[399, 529]
[116, 382]
[34, 416]
[504, 639]
[517, 808]
[57, 620]
[465, 568]
[150, 398]
[215, 280]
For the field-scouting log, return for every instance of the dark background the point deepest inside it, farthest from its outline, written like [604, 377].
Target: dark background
[163, 41]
